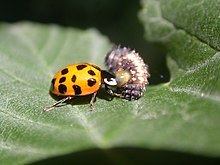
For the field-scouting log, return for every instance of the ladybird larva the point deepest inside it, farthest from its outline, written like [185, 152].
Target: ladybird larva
[130, 71]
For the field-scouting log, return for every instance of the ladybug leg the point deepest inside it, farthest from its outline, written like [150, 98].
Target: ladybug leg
[58, 102]
[111, 92]
[92, 101]
[117, 94]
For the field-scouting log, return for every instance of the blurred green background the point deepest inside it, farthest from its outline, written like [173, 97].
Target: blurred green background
[116, 19]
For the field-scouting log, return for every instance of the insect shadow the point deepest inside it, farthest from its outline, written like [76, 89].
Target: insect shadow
[82, 100]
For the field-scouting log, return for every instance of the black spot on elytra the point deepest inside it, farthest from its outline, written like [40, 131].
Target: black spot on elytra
[91, 72]
[96, 67]
[91, 82]
[52, 83]
[64, 71]
[74, 78]
[62, 79]
[62, 88]
[77, 89]
[80, 67]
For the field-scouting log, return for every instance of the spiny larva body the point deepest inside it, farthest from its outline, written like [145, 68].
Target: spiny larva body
[130, 71]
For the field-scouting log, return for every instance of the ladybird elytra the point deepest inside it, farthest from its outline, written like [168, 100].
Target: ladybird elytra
[76, 79]
[79, 80]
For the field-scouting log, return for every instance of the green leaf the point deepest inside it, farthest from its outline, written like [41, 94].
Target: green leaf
[190, 102]
[181, 115]
[30, 55]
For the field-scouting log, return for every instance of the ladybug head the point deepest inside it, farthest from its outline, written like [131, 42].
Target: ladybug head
[108, 78]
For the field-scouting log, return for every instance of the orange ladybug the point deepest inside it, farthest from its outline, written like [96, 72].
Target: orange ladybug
[80, 80]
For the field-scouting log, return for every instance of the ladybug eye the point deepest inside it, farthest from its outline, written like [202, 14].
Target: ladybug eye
[110, 81]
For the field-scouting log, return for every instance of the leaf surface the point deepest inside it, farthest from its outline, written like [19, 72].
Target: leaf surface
[181, 115]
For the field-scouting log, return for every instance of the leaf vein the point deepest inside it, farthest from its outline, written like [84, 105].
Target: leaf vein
[177, 27]
[92, 131]
[196, 93]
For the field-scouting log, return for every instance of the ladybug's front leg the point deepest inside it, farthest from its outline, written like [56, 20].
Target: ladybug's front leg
[111, 92]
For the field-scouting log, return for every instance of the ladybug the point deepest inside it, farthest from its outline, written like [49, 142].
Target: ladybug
[80, 80]
[131, 73]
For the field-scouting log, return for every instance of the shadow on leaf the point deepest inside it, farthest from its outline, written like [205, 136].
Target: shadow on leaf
[128, 156]
[81, 100]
